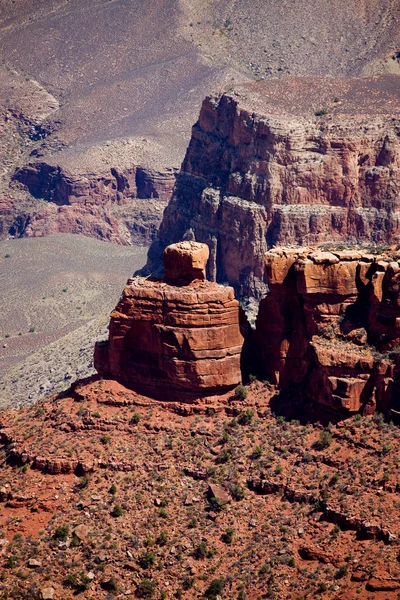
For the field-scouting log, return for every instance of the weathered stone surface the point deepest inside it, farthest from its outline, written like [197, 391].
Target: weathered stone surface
[185, 261]
[171, 340]
[218, 492]
[264, 167]
[315, 322]
[120, 205]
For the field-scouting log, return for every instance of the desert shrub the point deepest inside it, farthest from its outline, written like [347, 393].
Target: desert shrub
[334, 479]
[117, 511]
[214, 589]
[240, 392]
[134, 419]
[188, 583]
[201, 550]
[146, 588]
[61, 533]
[325, 440]
[227, 537]
[113, 489]
[224, 456]
[237, 491]
[245, 417]
[147, 560]
[257, 452]
[342, 571]
[162, 538]
[79, 583]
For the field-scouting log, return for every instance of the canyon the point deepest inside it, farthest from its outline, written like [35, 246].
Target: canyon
[233, 432]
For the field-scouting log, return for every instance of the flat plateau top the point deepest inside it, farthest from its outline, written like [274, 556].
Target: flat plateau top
[322, 97]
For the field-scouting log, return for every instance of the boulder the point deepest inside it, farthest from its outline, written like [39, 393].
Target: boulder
[185, 262]
[217, 492]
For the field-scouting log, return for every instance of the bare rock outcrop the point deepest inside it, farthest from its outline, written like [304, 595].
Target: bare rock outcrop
[120, 205]
[290, 161]
[174, 338]
[329, 322]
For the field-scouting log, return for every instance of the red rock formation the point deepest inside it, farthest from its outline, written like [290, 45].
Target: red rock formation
[287, 161]
[313, 326]
[122, 206]
[58, 185]
[174, 341]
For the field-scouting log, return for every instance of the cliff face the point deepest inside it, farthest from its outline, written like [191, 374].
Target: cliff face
[330, 322]
[121, 205]
[287, 162]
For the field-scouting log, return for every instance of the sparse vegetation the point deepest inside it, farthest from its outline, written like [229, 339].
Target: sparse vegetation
[240, 392]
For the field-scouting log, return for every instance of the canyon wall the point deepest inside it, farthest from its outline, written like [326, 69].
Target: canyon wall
[120, 205]
[331, 325]
[293, 161]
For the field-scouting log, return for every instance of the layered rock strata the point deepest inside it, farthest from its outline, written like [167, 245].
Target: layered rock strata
[174, 338]
[120, 205]
[289, 161]
[331, 323]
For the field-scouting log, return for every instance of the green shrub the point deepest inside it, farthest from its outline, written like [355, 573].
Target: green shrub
[61, 533]
[334, 479]
[342, 571]
[201, 550]
[325, 440]
[135, 419]
[214, 589]
[246, 417]
[240, 392]
[79, 583]
[257, 452]
[227, 537]
[147, 560]
[146, 588]
[224, 456]
[237, 491]
[162, 538]
[117, 511]
[113, 489]
[188, 583]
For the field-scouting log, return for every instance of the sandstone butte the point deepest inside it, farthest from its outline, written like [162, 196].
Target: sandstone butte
[176, 338]
[287, 161]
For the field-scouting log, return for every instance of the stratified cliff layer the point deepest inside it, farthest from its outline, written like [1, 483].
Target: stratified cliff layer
[295, 160]
[174, 338]
[331, 325]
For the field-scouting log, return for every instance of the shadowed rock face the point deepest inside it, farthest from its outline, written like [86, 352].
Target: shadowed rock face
[297, 161]
[171, 340]
[331, 322]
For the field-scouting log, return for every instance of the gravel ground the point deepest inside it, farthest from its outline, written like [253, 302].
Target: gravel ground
[55, 297]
